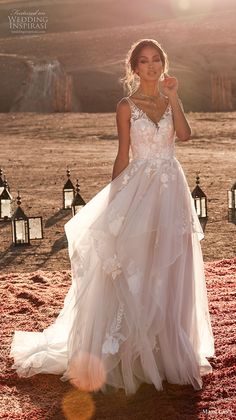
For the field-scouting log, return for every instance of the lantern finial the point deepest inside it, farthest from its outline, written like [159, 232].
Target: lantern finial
[68, 172]
[78, 201]
[1, 180]
[18, 199]
[5, 182]
[77, 186]
[197, 177]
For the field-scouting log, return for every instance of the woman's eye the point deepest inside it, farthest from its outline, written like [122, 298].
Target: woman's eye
[156, 59]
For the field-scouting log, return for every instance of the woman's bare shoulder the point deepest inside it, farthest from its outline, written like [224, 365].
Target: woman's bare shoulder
[123, 101]
[123, 107]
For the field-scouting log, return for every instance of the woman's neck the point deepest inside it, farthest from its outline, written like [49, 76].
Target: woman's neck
[152, 92]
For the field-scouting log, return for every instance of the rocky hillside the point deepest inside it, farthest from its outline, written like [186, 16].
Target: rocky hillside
[90, 39]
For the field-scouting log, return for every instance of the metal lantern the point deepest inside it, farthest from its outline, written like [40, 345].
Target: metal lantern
[232, 204]
[78, 201]
[200, 202]
[3, 182]
[25, 228]
[6, 184]
[68, 192]
[20, 225]
[6, 202]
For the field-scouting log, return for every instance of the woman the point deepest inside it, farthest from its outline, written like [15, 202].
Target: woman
[137, 309]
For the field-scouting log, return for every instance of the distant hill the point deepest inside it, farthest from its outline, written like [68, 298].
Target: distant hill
[90, 39]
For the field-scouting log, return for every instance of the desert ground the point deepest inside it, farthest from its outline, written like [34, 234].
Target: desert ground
[37, 148]
[31, 302]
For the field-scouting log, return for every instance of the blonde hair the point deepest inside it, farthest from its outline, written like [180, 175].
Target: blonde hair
[130, 81]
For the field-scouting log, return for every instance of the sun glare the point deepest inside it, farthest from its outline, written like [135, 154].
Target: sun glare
[87, 372]
[194, 6]
[78, 405]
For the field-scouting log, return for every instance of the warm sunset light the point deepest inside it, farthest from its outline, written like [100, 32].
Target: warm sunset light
[87, 372]
[193, 6]
[78, 405]
[117, 209]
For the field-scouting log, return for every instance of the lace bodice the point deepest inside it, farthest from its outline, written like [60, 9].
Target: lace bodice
[149, 139]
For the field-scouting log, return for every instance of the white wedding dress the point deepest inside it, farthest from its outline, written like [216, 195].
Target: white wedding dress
[137, 309]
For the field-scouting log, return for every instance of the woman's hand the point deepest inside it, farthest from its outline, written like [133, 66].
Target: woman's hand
[169, 85]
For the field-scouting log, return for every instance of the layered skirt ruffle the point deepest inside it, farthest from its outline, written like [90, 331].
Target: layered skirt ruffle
[137, 309]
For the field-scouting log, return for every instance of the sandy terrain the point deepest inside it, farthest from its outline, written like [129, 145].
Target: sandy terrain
[31, 302]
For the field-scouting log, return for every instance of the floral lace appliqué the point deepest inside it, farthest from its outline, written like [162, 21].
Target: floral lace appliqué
[138, 113]
[114, 337]
[164, 179]
[134, 278]
[100, 245]
[152, 167]
[115, 221]
[112, 266]
[168, 174]
[148, 138]
[125, 179]
[131, 170]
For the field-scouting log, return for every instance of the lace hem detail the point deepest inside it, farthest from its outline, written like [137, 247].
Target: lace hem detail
[114, 337]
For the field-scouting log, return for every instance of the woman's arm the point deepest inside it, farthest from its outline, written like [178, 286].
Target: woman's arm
[169, 85]
[123, 129]
[182, 127]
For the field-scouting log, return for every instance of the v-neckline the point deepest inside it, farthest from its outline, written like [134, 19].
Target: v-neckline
[150, 119]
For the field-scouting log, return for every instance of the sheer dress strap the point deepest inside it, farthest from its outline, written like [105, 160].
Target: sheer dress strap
[130, 102]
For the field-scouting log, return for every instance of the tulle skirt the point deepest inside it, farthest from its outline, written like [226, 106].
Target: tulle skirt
[137, 309]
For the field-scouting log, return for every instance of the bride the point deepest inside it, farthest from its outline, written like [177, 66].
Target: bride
[137, 308]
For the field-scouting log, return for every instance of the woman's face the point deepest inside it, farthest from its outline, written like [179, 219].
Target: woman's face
[149, 64]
